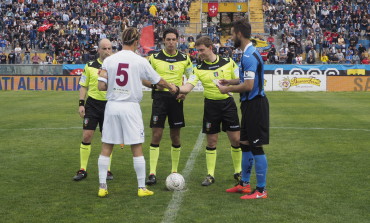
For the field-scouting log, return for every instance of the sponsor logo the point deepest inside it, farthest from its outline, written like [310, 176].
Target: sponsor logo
[286, 83]
[208, 126]
[155, 118]
[356, 72]
[171, 60]
[142, 133]
[76, 72]
[214, 67]
[255, 141]
[86, 121]
[234, 126]
[261, 196]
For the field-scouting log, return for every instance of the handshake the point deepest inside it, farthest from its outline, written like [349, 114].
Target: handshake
[175, 90]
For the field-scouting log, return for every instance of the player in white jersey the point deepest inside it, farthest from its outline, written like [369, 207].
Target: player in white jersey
[122, 75]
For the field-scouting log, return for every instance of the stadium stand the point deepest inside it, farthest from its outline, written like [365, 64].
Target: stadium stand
[68, 31]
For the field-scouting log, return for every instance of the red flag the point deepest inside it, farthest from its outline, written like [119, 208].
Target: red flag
[147, 38]
[43, 28]
[212, 9]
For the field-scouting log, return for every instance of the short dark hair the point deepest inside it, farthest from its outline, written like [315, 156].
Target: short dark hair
[244, 27]
[170, 30]
[204, 40]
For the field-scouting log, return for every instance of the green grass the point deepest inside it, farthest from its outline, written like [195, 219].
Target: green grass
[318, 164]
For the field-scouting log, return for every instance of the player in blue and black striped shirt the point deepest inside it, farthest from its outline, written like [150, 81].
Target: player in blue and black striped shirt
[254, 132]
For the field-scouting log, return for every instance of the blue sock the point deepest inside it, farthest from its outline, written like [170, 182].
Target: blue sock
[247, 164]
[261, 170]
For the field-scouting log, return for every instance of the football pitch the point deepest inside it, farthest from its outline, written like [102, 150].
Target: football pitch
[319, 157]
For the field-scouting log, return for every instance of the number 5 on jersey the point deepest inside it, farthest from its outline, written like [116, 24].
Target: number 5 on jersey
[122, 75]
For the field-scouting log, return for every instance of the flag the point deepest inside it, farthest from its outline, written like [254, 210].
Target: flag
[212, 9]
[43, 28]
[147, 38]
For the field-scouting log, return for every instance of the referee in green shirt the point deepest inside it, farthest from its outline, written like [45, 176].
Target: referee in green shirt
[92, 111]
[218, 108]
[171, 65]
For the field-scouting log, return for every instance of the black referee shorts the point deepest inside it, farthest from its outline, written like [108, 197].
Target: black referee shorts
[165, 104]
[255, 121]
[220, 111]
[94, 114]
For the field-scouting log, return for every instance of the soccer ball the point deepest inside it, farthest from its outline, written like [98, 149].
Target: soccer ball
[175, 181]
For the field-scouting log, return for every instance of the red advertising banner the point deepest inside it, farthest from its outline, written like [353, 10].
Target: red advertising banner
[212, 9]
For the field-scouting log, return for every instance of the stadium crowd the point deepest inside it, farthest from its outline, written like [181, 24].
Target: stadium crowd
[325, 31]
[70, 30]
[301, 32]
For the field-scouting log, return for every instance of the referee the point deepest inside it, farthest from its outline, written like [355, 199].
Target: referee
[92, 111]
[218, 108]
[254, 132]
[171, 65]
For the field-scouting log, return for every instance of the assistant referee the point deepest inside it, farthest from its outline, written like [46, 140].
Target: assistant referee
[92, 111]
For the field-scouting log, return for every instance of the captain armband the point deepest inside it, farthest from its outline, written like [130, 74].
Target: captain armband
[103, 79]
[249, 75]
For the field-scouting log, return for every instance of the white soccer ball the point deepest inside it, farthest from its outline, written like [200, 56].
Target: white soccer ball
[175, 181]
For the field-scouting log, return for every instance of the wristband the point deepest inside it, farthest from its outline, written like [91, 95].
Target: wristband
[177, 91]
[81, 103]
[103, 79]
[153, 86]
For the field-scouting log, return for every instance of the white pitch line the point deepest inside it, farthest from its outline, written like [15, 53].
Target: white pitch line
[340, 129]
[197, 126]
[65, 128]
[29, 129]
[175, 203]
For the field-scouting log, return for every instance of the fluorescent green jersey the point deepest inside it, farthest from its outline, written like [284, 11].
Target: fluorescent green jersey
[208, 73]
[171, 67]
[89, 79]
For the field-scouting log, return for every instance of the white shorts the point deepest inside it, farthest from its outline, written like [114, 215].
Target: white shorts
[123, 123]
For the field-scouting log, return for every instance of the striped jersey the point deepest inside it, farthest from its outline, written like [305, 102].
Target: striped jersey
[252, 61]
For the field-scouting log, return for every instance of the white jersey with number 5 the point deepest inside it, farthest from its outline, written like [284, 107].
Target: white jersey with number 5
[125, 71]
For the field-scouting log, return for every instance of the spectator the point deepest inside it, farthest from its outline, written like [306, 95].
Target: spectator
[3, 43]
[311, 59]
[299, 59]
[324, 58]
[11, 58]
[35, 59]
[340, 56]
[27, 56]
[342, 43]
[365, 61]
[361, 49]
[3, 58]
[271, 55]
[290, 56]
[18, 58]
[349, 58]
[356, 58]
[332, 57]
